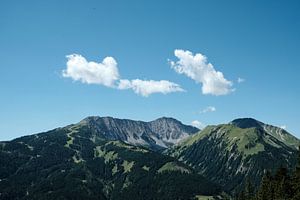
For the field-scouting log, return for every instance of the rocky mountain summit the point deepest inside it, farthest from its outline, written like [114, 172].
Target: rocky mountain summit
[156, 135]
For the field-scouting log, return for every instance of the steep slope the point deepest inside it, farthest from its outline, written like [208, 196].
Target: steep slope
[171, 131]
[279, 133]
[230, 153]
[156, 135]
[77, 162]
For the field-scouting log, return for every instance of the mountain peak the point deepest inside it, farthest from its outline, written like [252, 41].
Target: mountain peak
[167, 119]
[95, 118]
[246, 146]
[160, 133]
[161, 119]
[247, 123]
[107, 120]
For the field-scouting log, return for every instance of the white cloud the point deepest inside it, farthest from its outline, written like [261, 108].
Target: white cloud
[197, 124]
[240, 80]
[147, 87]
[208, 109]
[283, 127]
[199, 69]
[106, 73]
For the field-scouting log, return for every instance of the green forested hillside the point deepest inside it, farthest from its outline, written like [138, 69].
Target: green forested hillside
[82, 161]
[280, 185]
[227, 154]
[73, 163]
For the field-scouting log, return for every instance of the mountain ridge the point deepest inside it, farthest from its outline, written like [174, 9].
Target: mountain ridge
[277, 132]
[142, 133]
[228, 154]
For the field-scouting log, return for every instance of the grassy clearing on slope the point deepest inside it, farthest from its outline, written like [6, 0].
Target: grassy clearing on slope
[70, 140]
[172, 166]
[114, 169]
[196, 137]
[247, 139]
[77, 160]
[107, 155]
[202, 197]
[126, 183]
[146, 168]
[131, 147]
[127, 166]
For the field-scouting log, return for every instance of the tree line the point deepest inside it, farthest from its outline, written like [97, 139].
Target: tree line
[282, 185]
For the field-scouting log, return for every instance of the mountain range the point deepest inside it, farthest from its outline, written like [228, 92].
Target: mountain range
[109, 158]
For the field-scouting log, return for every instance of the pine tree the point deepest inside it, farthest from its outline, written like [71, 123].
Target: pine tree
[279, 183]
[296, 179]
[249, 190]
[282, 186]
[265, 191]
[241, 195]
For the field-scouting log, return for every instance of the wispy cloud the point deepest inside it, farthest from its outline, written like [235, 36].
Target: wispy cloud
[147, 87]
[106, 73]
[208, 109]
[197, 124]
[283, 127]
[240, 80]
[201, 71]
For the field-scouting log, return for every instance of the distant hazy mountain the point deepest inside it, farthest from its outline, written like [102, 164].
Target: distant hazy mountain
[85, 161]
[228, 154]
[158, 134]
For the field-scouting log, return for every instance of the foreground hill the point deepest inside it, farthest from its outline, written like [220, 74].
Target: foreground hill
[82, 161]
[229, 154]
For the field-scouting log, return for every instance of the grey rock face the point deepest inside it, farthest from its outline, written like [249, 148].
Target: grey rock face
[158, 134]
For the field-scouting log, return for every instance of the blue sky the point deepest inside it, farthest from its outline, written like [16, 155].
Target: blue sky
[257, 41]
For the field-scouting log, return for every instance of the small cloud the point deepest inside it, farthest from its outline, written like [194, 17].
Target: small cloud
[208, 109]
[148, 87]
[197, 124]
[283, 127]
[201, 71]
[106, 73]
[103, 73]
[240, 80]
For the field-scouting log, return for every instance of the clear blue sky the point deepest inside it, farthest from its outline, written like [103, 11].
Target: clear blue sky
[258, 41]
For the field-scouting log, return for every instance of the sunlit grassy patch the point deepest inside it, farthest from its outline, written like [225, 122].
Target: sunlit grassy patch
[172, 166]
[127, 166]
[146, 168]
